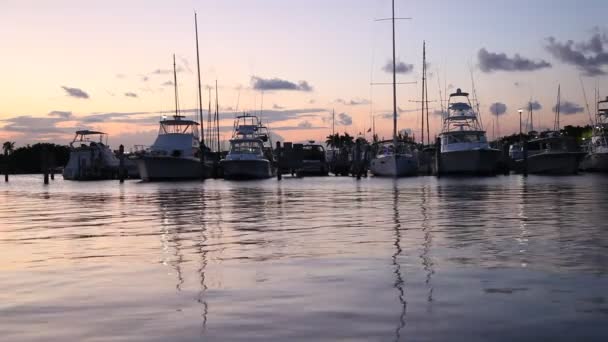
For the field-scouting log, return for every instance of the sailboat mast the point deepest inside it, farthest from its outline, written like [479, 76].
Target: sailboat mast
[209, 139]
[175, 86]
[423, 84]
[556, 128]
[198, 69]
[333, 122]
[394, 79]
[217, 117]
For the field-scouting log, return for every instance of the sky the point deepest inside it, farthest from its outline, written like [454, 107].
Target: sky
[107, 65]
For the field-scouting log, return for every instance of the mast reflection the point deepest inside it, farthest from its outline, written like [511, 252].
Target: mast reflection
[399, 283]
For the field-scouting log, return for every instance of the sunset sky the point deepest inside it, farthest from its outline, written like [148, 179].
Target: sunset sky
[107, 65]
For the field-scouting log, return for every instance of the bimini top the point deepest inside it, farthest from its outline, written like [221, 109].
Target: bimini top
[178, 120]
[87, 132]
[459, 93]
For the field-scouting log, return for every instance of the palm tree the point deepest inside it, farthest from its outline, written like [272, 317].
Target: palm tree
[333, 140]
[8, 147]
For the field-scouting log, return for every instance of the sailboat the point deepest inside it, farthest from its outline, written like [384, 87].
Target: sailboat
[464, 148]
[597, 157]
[396, 157]
[175, 154]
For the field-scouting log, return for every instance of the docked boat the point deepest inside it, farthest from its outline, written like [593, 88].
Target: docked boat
[464, 148]
[91, 159]
[596, 159]
[176, 153]
[250, 155]
[550, 153]
[396, 157]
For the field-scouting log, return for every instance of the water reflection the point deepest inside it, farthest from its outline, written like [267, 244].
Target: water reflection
[399, 284]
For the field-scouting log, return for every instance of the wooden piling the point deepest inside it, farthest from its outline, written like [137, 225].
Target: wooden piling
[438, 157]
[121, 165]
[525, 149]
[45, 164]
[278, 160]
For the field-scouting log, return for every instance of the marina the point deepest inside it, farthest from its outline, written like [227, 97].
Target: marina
[266, 170]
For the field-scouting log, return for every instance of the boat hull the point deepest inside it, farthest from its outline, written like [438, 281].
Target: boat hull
[552, 163]
[469, 162]
[247, 169]
[86, 165]
[595, 162]
[394, 166]
[168, 168]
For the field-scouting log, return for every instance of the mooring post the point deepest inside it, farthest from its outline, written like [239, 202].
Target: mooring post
[52, 165]
[121, 165]
[525, 148]
[438, 157]
[279, 156]
[45, 164]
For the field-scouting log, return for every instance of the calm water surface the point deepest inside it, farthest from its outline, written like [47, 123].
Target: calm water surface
[315, 259]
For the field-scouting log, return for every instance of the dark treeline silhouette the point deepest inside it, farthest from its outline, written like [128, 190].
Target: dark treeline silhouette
[577, 132]
[28, 159]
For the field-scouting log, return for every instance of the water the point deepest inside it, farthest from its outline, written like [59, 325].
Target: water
[315, 259]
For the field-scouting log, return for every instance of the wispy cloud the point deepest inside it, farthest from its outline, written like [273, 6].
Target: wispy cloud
[130, 94]
[490, 61]
[353, 102]
[589, 56]
[345, 119]
[61, 114]
[76, 92]
[400, 67]
[569, 108]
[271, 84]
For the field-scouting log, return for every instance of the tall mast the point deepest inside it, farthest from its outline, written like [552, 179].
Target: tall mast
[175, 86]
[217, 117]
[556, 124]
[423, 84]
[333, 122]
[209, 136]
[200, 96]
[426, 97]
[394, 80]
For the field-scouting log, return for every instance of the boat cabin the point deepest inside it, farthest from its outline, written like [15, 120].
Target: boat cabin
[177, 137]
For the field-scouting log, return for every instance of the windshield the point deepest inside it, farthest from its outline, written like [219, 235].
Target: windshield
[252, 147]
[466, 138]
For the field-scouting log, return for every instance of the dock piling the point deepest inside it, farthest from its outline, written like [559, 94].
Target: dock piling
[121, 165]
[45, 164]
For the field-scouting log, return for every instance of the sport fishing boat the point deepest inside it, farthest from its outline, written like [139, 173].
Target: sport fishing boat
[175, 154]
[464, 148]
[596, 159]
[90, 159]
[250, 155]
[396, 157]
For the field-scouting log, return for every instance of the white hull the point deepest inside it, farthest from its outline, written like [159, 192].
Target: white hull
[91, 164]
[399, 165]
[169, 168]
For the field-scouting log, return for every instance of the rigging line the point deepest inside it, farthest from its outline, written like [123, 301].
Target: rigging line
[586, 102]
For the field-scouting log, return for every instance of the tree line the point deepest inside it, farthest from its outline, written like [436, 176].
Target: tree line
[29, 158]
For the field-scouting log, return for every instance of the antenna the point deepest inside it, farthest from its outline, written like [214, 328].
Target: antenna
[200, 96]
[175, 87]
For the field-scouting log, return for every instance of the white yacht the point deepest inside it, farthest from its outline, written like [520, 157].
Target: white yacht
[175, 154]
[395, 158]
[90, 159]
[597, 156]
[250, 155]
[464, 148]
